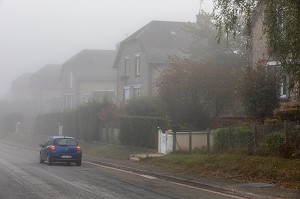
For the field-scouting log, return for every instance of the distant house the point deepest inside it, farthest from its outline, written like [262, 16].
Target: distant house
[88, 75]
[145, 54]
[45, 90]
[260, 52]
[20, 87]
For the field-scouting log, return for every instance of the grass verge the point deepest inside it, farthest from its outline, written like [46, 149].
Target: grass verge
[277, 170]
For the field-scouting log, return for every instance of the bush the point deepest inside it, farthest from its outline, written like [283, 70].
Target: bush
[8, 122]
[141, 131]
[47, 124]
[70, 123]
[233, 139]
[274, 140]
[285, 150]
[289, 112]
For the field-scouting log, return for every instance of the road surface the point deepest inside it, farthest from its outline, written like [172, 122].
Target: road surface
[22, 176]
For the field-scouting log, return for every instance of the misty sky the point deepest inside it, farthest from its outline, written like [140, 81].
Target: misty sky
[34, 33]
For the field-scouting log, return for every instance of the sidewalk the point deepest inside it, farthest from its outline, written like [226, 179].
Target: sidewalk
[245, 189]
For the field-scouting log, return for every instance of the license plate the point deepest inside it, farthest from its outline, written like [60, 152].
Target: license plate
[66, 156]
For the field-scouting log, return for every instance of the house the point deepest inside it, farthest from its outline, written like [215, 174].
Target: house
[87, 76]
[260, 52]
[45, 89]
[145, 54]
[20, 87]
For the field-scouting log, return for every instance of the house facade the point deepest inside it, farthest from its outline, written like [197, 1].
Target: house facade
[145, 54]
[45, 90]
[87, 76]
[260, 52]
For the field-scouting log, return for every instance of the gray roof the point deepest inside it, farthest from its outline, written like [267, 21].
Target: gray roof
[161, 39]
[47, 77]
[92, 65]
[21, 83]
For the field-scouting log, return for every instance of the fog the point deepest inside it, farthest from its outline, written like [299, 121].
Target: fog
[34, 33]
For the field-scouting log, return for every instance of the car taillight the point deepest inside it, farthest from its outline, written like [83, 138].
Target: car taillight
[52, 147]
[78, 148]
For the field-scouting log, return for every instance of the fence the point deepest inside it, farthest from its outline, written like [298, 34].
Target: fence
[259, 139]
[184, 141]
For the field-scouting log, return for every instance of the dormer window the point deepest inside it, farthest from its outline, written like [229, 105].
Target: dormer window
[137, 65]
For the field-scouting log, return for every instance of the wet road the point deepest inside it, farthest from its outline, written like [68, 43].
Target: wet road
[22, 176]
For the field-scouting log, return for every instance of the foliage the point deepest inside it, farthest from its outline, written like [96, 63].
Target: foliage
[140, 131]
[274, 140]
[47, 124]
[143, 106]
[70, 123]
[8, 122]
[205, 46]
[285, 150]
[93, 116]
[259, 92]
[233, 139]
[193, 91]
[280, 27]
[289, 112]
[85, 122]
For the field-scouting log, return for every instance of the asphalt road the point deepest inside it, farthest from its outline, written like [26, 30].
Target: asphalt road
[22, 176]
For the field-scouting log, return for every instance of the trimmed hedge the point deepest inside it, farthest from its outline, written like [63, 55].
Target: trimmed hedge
[232, 139]
[141, 131]
[47, 124]
[289, 112]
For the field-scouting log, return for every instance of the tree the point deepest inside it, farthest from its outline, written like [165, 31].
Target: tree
[258, 91]
[281, 27]
[205, 46]
[143, 106]
[193, 92]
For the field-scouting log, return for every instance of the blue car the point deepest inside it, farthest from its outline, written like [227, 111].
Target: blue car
[61, 149]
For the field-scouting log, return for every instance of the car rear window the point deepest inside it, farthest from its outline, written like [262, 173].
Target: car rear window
[65, 142]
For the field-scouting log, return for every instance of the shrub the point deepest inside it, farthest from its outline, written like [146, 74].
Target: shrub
[70, 123]
[141, 131]
[274, 140]
[234, 139]
[289, 112]
[285, 150]
[47, 124]
[8, 122]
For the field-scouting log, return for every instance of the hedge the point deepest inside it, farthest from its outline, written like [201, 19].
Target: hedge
[289, 112]
[233, 139]
[141, 131]
[47, 124]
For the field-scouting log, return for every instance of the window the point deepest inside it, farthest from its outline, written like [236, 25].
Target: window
[137, 90]
[137, 65]
[126, 93]
[126, 66]
[65, 142]
[68, 101]
[273, 67]
[284, 87]
[71, 80]
[85, 97]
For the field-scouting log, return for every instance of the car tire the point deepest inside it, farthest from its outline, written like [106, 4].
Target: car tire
[41, 159]
[48, 160]
[78, 163]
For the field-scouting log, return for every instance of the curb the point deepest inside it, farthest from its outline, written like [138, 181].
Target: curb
[188, 182]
